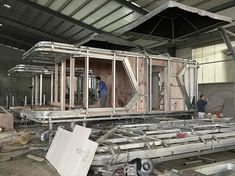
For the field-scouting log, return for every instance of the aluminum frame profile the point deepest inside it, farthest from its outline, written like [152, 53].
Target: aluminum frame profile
[29, 70]
[74, 51]
[159, 142]
[57, 52]
[133, 80]
[79, 115]
[180, 81]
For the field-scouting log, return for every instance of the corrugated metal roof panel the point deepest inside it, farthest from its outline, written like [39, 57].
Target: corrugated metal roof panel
[43, 2]
[191, 2]
[126, 20]
[72, 32]
[50, 26]
[19, 13]
[211, 4]
[114, 16]
[143, 3]
[101, 12]
[156, 4]
[73, 5]
[62, 28]
[40, 20]
[88, 8]
[81, 35]
[57, 4]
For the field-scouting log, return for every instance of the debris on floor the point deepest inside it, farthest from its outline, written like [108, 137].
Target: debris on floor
[22, 139]
[71, 153]
[36, 158]
[7, 136]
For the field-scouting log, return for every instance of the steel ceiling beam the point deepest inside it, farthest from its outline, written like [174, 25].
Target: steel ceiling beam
[16, 40]
[214, 36]
[131, 6]
[27, 28]
[227, 41]
[222, 7]
[58, 15]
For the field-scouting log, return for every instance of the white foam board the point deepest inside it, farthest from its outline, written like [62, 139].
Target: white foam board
[86, 158]
[73, 154]
[58, 146]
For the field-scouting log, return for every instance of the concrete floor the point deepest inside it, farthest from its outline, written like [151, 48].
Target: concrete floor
[179, 164]
[23, 166]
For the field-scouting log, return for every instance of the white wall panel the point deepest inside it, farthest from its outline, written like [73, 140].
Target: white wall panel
[214, 72]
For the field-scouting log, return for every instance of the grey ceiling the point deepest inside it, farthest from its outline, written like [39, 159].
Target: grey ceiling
[78, 21]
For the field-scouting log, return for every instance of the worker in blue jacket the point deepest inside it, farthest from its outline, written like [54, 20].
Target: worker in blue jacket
[201, 106]
[103, 92]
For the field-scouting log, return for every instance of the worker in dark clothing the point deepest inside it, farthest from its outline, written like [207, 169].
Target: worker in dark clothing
[201, 104]
[103, 92]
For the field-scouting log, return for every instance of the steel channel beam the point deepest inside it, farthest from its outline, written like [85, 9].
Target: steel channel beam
[227, 41]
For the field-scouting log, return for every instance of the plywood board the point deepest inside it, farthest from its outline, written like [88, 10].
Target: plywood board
[58, 147]
[76, 146]
[132, 61]
[176, 68]
[156, 62]
[176, 92]
[177, 105]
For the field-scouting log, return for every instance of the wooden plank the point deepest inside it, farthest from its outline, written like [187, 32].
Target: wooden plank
[106, 135]
[62, 85]
[71, 82]
[85, 84]
[156, 62]
[6, 121]
[142, 82]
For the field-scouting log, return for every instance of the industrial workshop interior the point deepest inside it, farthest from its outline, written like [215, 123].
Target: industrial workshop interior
[117, 88]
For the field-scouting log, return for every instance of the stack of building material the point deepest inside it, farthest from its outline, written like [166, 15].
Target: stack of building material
[6, 120]
[71, 153]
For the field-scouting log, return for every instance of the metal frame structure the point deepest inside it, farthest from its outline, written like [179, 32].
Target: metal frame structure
[57, 54]
[29, 70]
[37, 73]
[163, 141]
